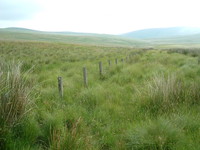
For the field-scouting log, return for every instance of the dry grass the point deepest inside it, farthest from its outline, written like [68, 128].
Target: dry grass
[166, 93]
[168, 89]
[14, 97]
[65, 137]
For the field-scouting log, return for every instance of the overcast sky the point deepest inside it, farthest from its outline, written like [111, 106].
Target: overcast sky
[98, 16]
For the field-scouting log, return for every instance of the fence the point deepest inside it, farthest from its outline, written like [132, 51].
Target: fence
[85, 74]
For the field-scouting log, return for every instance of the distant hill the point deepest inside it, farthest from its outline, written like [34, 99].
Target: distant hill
[69, 37]
[162, 33]
[182, 40]
[141, 38]
[25, 30]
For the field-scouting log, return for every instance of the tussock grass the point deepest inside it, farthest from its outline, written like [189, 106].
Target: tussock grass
[194, 52]
[165, 133]
[155, 135]
[15, 94]
[166, 92]
[67, 137]
[15, 100]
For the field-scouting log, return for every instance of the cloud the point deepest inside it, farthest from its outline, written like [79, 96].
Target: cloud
[98, 16]
[18, 9]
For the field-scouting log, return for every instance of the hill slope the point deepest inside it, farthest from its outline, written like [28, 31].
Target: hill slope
[69, 37]
[162, 32]
[188, 39]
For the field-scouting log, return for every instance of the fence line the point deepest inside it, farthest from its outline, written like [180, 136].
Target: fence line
[85, 76]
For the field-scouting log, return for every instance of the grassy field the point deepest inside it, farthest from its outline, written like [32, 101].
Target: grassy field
[150, 101]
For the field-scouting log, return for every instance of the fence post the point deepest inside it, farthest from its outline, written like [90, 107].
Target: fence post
[100, 68]
[116, 61]
[85, 77]
[60, 87]
[122, 60]
[126, 58]
[109, 62]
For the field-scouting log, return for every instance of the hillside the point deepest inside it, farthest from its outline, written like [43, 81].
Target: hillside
[148, 100]
[17, 34]
[183, 40]
[162, 32]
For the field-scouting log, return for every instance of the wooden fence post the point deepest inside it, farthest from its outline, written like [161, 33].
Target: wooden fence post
[122, 60]
[100, 68]
[60, 86]
[126, 58]
[109, 62]
[85, 77]
[116, 61]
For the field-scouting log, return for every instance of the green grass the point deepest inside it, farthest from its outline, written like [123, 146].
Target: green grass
[151, 101]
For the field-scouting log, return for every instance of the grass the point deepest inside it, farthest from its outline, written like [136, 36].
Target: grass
[14, 101]
[159, 134]
[149, 101]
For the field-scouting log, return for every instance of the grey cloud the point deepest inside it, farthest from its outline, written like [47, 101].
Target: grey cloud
[17, 9]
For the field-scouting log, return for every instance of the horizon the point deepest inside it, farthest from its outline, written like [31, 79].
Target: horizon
[99, 33]
[100, 17]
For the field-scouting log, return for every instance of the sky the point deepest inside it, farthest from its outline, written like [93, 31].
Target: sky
[98, 16]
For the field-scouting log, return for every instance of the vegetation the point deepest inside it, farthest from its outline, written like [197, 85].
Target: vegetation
[14, 100]
[20, 34]
[150, 101]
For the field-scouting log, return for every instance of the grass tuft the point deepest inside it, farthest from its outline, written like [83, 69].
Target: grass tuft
[14, 97]
[157, 135]
[166, 93]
